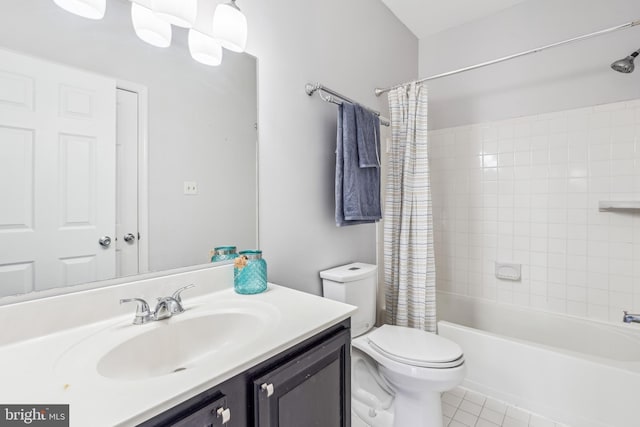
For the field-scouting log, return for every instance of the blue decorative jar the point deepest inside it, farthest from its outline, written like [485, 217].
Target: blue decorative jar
[224, 253]
[250, 273]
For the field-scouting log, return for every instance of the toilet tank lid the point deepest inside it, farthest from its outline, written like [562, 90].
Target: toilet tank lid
[349, 272]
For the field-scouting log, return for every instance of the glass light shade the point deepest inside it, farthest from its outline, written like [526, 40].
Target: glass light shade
[150, 27]
[204, 49]
[92, 9]
[230, 27]
[182, 13]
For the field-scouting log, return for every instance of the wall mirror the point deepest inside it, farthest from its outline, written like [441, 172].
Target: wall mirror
[178, 178]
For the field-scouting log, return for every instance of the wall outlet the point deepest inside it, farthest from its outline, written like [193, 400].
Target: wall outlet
[190, 188]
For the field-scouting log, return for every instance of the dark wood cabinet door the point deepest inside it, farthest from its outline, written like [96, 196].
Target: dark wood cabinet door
[311, 390]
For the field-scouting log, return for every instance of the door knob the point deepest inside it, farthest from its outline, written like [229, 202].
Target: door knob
[129, 238]
[105, 241]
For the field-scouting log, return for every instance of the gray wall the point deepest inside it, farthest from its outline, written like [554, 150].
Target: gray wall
[351, 46]
[566, 77]
[201, 122]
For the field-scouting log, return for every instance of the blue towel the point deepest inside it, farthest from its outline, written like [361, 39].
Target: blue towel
[368, 125]
[357, 188]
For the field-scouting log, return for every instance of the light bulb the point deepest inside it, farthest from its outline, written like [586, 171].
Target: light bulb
[230, 27]
[204, 48]
[177, 12]
[92, 9]
[150, 27]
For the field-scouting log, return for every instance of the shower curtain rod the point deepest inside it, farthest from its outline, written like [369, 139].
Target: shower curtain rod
[337, 98]
[379, 91]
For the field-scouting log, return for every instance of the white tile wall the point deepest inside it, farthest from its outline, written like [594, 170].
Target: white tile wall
[526, 190]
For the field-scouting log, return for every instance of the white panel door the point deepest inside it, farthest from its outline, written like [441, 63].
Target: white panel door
[57, 175]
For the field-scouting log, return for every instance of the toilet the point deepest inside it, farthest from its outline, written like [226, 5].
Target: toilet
[398, 373]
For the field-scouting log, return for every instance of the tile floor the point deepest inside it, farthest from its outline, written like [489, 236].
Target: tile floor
[466, 408]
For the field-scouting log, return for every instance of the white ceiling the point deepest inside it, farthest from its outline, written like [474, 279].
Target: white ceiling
[426, 17]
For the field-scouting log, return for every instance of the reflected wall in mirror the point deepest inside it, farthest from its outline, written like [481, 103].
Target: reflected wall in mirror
[75, 95]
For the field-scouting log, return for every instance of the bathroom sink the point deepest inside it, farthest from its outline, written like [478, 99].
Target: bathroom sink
[192, 341]
[177, 345]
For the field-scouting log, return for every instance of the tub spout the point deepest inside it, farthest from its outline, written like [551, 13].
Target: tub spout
[629, 318]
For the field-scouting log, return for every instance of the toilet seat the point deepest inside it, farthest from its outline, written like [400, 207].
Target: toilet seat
[415, 347]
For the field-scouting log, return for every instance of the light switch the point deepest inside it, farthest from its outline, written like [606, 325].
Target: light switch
[190, 188]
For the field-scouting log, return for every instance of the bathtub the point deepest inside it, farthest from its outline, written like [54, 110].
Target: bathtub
[576, 371]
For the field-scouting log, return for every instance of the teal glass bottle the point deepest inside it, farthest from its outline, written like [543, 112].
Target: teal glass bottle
[250, 278]
[224, 253]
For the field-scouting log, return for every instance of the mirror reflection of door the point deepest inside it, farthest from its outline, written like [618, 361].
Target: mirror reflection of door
[58, 226]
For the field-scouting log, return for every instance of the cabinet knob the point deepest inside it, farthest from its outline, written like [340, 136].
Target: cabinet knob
[268, 388]
[224, 414]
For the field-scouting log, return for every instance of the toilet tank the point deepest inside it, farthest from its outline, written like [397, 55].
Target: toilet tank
[354, 284]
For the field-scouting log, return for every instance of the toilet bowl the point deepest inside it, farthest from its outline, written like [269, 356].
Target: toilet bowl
[372, 397]
[418, 366]
[398, 373]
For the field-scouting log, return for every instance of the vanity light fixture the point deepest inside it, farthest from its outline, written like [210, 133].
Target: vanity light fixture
[152, 20]
[204, 49]
[182, 13]
[92, 9]
[150, 27]
[230, 26]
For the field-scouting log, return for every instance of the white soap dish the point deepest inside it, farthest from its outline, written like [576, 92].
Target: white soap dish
[508, 271]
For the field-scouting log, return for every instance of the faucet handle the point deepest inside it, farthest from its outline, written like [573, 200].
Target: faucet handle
[143, 315]
[176, 294]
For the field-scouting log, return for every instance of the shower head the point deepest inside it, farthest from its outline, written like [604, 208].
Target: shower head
[625, 65]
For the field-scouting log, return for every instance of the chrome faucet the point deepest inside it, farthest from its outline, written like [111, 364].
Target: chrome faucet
[629, 318]
[165, 307]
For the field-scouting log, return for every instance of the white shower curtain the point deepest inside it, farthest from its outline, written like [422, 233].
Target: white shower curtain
[409, 265]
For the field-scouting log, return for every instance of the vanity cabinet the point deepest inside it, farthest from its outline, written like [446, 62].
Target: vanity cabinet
[306, 385]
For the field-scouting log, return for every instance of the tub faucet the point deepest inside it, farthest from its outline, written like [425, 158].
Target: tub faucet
[628, 318]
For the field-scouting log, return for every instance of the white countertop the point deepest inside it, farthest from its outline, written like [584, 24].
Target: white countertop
[60, 367]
